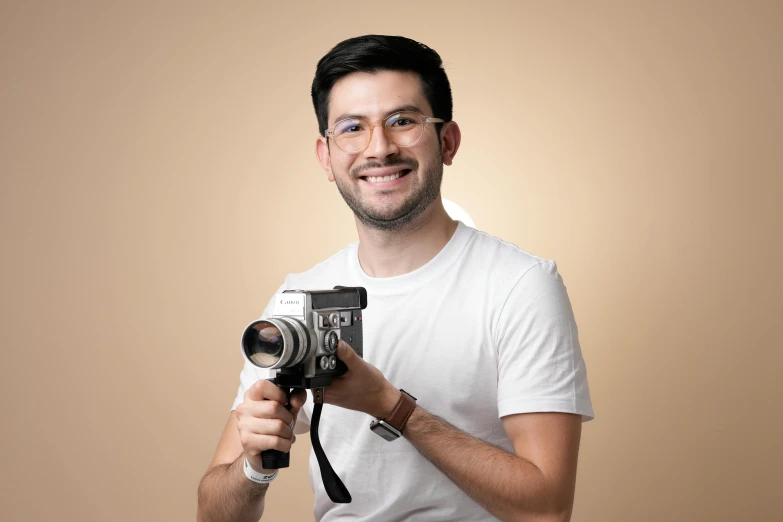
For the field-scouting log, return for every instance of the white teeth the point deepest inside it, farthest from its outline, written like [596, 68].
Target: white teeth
[377, 179]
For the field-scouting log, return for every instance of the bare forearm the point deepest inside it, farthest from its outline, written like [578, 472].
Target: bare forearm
[226, 494]
[506, 485]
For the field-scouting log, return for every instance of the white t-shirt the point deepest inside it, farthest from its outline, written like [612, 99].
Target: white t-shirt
[482, 331]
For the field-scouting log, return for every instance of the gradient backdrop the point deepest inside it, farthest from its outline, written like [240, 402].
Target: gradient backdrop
[158, 183]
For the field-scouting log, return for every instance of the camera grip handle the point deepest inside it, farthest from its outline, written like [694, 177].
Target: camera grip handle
[276, 459]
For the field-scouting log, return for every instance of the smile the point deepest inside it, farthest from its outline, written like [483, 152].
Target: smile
[390, 177]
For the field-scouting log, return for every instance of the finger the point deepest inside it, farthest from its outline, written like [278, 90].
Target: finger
[263, 389]
[254, 444]
[297, 400]
[264, 410]
[347, 355]
[275, 427]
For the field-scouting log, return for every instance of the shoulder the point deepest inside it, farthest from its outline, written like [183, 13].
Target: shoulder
[335, 266]
[506, 260]
[511, 277]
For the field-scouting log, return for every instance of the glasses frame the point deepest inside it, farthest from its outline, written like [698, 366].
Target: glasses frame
[329, 133]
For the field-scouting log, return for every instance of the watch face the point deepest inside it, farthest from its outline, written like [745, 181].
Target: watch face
[384, 430]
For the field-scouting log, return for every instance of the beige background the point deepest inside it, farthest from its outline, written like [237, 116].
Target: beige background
[158, 182]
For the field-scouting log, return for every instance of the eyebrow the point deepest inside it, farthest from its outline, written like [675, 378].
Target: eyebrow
[402, 108]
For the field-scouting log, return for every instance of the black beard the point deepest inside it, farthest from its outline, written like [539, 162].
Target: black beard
[410, 210]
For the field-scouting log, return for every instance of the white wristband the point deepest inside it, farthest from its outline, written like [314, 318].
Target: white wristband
[255, 476]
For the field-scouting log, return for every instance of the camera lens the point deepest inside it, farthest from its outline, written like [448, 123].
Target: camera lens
[275, 343]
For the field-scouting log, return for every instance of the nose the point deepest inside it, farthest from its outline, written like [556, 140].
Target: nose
[380, 146]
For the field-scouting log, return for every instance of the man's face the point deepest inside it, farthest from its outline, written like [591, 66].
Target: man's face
[391, 204]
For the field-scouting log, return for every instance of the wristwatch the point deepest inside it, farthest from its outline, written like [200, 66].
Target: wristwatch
[391, 427]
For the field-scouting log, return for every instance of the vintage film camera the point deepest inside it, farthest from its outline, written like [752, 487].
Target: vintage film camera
[300, 339]
[299, 342]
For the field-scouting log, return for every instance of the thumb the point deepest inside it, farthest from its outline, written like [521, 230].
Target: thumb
[346, 354]
[297, 399]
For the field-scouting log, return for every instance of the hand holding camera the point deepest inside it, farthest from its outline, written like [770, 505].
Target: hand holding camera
[265, 420]
[363, 387]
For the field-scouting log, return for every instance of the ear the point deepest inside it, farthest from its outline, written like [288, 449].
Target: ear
[323, 156]
[450, 136]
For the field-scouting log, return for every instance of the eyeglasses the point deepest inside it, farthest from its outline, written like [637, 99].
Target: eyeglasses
[404, 129]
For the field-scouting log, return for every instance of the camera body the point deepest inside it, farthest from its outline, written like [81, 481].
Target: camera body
[299, 340]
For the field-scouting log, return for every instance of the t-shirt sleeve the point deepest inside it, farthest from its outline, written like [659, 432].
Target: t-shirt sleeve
[251, 373]
[540, 364]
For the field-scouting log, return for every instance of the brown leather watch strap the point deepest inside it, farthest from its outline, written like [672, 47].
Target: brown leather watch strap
[402, 411]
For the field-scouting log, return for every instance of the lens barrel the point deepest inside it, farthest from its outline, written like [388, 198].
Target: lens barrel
[278, 342]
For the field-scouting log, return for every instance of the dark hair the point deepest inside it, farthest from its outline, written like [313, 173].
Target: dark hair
[374, 53]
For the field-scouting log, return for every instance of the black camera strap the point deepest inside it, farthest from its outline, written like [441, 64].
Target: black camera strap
[334, 486]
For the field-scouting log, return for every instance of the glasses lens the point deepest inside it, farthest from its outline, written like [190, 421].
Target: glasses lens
[402, 128]
[405, 128]
[352, 135]
[263, 344]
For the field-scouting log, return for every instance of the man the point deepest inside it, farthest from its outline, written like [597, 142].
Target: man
[480, 332]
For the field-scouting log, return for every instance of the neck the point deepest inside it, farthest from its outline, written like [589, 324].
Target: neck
[388, 253]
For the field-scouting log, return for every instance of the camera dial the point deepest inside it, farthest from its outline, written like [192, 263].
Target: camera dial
[330, 341]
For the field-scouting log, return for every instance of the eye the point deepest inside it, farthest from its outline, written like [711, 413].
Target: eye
[402, 120]
[349, 127]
